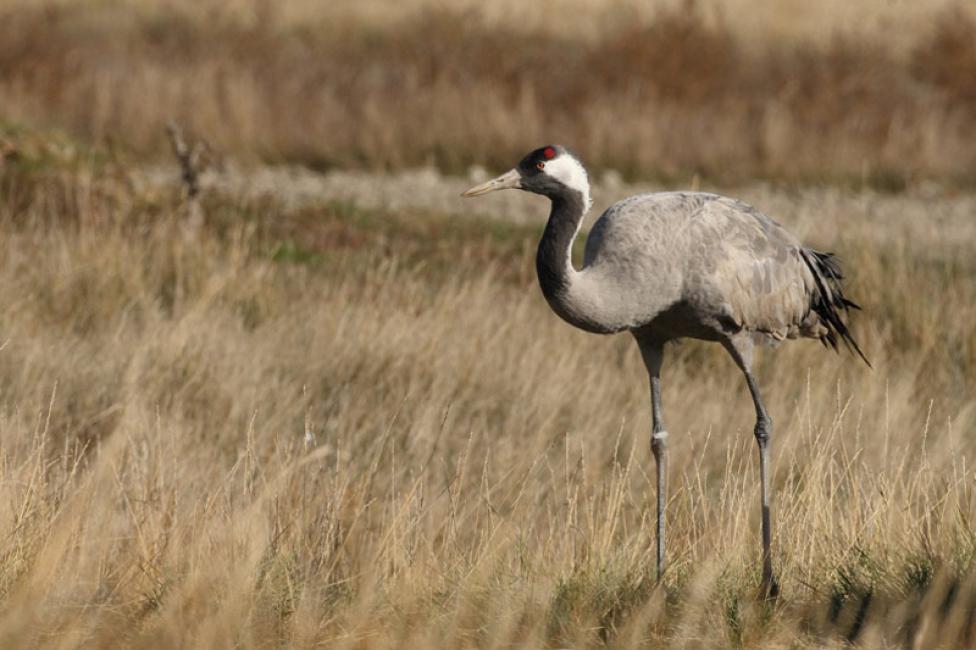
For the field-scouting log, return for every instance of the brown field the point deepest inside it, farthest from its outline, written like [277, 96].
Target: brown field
[333, 409]
[479, 474]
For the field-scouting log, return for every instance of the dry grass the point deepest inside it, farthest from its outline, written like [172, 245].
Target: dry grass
[666, 93]
[479, 470]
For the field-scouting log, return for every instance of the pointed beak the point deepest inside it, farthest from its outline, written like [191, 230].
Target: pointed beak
[509, 180]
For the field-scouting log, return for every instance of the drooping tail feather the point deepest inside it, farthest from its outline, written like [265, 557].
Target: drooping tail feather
[829, 300]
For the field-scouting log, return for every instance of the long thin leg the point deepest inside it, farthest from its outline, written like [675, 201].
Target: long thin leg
[653, 353]
[741, 351]
[763, 433]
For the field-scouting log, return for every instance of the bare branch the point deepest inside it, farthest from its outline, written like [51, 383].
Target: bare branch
[189, 159]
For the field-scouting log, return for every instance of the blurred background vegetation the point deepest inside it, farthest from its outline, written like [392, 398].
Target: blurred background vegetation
[869, 92]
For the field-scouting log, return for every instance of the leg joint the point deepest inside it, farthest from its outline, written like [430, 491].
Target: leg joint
[764, 429]
[659, 441]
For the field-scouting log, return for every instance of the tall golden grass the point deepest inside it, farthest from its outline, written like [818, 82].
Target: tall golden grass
[330, 427]
[669, 92]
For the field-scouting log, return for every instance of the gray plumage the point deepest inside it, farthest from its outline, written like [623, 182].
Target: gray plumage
[673, 265]
[690, 264]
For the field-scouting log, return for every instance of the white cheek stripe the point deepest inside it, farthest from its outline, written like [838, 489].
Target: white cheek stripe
[568, 171]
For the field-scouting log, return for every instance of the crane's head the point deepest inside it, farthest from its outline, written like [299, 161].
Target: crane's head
[551, 171]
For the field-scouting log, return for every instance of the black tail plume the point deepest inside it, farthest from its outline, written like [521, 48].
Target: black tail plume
[829, 300]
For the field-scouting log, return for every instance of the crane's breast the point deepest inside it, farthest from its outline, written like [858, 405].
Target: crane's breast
[637, 252]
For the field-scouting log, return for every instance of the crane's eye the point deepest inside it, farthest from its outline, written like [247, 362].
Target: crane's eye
[540, 165]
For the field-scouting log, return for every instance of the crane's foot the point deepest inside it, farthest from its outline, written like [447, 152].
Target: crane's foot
[768, 589]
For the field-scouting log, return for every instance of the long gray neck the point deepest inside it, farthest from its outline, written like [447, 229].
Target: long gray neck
[559, 281]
